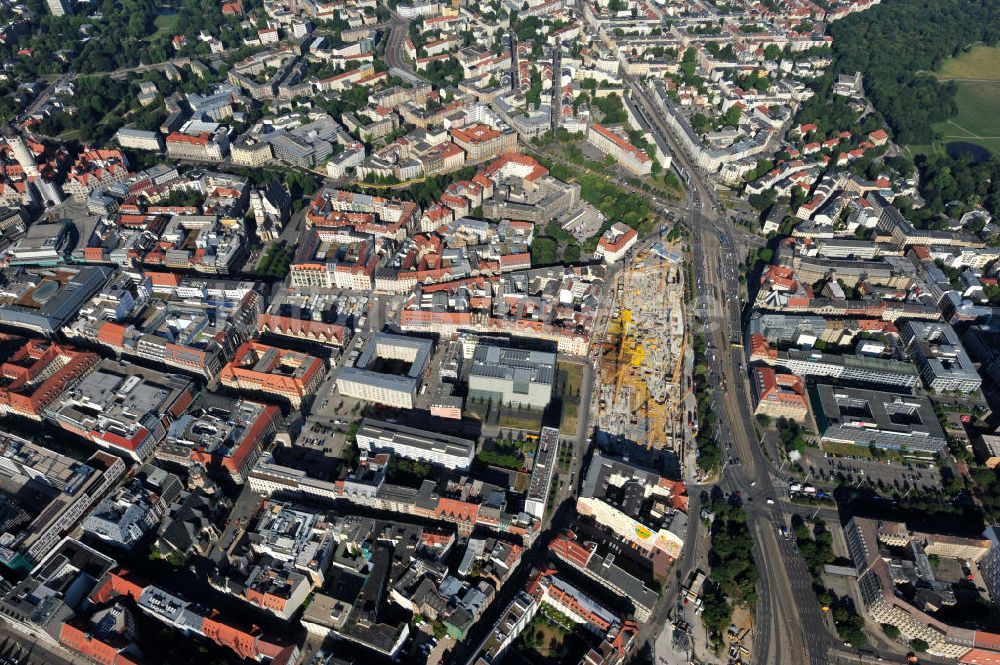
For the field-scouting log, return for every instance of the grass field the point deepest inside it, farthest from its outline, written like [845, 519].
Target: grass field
[977, 121]
[165, 25]
[529, 421]
[976, 74]
[980, 62]
[570, 378]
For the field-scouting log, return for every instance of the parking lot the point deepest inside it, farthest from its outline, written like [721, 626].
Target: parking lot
[824, 469]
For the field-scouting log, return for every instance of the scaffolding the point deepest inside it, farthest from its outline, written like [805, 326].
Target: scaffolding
[642, 367]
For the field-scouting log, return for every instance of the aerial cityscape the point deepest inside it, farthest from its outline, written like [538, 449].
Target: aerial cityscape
[469, 332]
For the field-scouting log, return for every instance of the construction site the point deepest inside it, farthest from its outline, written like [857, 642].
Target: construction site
[642, 378]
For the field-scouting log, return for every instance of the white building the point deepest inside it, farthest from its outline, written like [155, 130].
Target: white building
[448, 451]
[137, 139]
[616, 242]
[626, 154]
[542, 472]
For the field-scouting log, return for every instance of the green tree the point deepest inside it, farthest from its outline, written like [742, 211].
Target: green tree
[890, 630]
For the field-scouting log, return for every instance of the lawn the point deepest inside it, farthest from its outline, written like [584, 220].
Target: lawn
[570, 376]
[528, 421]
[976, 75]
[979, 62]
[165, 24]
[275, 262]
[977, 121]
[844, 449]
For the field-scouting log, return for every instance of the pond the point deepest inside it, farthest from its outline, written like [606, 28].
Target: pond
[978, 153]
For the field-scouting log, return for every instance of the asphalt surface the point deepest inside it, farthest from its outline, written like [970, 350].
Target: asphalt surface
[399, 28]
[789, 625]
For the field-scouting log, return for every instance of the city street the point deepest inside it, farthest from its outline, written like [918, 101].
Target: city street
[789, 625]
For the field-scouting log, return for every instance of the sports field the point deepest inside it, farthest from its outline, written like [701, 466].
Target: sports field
[976, 73]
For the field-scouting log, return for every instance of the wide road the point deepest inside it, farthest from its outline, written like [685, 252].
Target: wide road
[789, 625]
[399, 29]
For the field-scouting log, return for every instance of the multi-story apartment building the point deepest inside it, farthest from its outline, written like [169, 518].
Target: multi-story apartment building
[989, 564]
[481, 142]
[95, 169]
[194, 619]
[542, 471]
[37, 374]
[572, 602]
[878, 576]
[583, 557]
[626, 154]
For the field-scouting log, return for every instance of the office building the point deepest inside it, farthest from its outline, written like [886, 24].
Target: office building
[45, 494]
[512, 377]
[481, 142]
[779, 395]
[389, 370]
[221, 434]
[847, 367]
[515, 618]
[448, 451]
[42, 245]
[203, 146]
[123, 407]
[944, 364]
[887, 420]
[270, 371]
[616, 242]
[138, 139]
